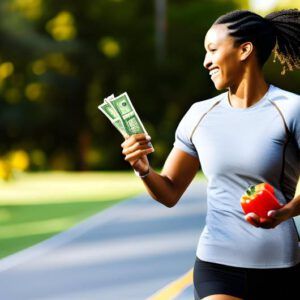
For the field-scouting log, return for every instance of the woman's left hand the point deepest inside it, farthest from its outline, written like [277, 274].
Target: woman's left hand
[275, 217]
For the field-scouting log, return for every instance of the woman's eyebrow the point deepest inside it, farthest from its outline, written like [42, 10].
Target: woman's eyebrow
[209, 44]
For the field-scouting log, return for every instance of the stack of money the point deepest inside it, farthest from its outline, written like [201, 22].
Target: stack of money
[122, 115]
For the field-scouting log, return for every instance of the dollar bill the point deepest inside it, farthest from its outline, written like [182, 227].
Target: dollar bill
[109, 111]
[128, 115]
[123, 116]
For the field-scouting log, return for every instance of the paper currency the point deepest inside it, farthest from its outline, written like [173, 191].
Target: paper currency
[128, 115]
[109, 111]
[122, 114]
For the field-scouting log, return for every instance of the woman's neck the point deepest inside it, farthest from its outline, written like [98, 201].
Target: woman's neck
[248, 91]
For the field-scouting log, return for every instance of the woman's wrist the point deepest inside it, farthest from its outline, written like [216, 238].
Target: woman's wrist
[142, 174]
[293, 206]
[295, 203]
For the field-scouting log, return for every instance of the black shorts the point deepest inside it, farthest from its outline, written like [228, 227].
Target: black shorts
[244, 283]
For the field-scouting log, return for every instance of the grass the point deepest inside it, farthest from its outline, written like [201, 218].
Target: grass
[36, 206]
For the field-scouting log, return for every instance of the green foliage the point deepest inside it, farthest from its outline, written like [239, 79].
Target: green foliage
[59, 59]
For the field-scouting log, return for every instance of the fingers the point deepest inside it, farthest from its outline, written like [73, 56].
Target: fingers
[136, 146]
[140, 137]
[137, 154]
[253, 219]
[136, 142]
[140, 145]
[273, 219]
[272, 213]
[266, 223]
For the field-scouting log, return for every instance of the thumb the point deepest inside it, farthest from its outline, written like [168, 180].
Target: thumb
[278, 213]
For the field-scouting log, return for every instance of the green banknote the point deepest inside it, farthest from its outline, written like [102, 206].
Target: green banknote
[109, 111]
[123, 116]
[128, 115]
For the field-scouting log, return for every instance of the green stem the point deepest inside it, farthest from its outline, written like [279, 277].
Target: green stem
[251, 190]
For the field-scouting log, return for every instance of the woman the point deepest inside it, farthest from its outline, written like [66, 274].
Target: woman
[247, 135]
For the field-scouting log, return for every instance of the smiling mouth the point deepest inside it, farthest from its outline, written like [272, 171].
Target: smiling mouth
[214, 72]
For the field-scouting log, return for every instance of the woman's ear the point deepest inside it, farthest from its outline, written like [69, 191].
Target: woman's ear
[245, 50]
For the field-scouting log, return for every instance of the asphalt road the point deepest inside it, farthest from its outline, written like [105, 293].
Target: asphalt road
[127, 252]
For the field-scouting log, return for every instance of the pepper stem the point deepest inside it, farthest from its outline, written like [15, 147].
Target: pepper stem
[251, 190]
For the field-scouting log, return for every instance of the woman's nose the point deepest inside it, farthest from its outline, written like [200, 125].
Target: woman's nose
[207, 61]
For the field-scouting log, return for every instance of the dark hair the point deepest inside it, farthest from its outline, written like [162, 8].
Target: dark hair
[278, 31]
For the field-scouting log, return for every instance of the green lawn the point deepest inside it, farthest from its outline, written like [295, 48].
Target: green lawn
[36, 206]
[39, 205]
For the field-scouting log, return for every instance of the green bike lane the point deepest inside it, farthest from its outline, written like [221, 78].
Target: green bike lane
[133, 250]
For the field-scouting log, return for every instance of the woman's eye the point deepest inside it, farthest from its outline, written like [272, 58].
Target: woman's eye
[213, 50]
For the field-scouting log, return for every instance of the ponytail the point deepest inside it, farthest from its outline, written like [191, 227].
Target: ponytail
[286, 24]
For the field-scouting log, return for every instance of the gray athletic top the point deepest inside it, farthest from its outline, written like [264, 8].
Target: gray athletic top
[237, 147]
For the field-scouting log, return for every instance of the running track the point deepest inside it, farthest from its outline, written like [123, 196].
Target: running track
[135, 250]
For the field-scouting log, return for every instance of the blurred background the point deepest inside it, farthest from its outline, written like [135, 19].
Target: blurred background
[59, 59]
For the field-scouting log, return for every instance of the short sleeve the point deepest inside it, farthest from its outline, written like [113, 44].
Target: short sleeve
[296, 124]
[289, 104]
[183, 133]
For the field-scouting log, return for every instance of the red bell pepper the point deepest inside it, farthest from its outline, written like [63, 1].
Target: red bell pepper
[260, 199]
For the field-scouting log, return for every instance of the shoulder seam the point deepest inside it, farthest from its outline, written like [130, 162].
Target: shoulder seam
[282, 117]
[193, 131]
[288, 136]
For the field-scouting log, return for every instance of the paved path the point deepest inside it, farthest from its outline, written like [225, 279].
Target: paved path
[127, 252]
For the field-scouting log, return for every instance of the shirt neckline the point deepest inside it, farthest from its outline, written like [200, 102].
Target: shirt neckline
[252, 107]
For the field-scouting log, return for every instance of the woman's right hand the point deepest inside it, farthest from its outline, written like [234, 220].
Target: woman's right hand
[135, 149]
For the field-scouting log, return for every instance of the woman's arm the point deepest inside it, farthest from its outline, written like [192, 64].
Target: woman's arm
[179, 170]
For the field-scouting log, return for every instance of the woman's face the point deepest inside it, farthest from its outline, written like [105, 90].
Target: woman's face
[222, 57]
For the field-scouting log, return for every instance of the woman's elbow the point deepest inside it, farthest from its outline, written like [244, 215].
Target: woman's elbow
[169, 205]
[168, 202]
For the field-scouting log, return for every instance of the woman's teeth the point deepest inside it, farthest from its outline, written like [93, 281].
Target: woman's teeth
[213, 72]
